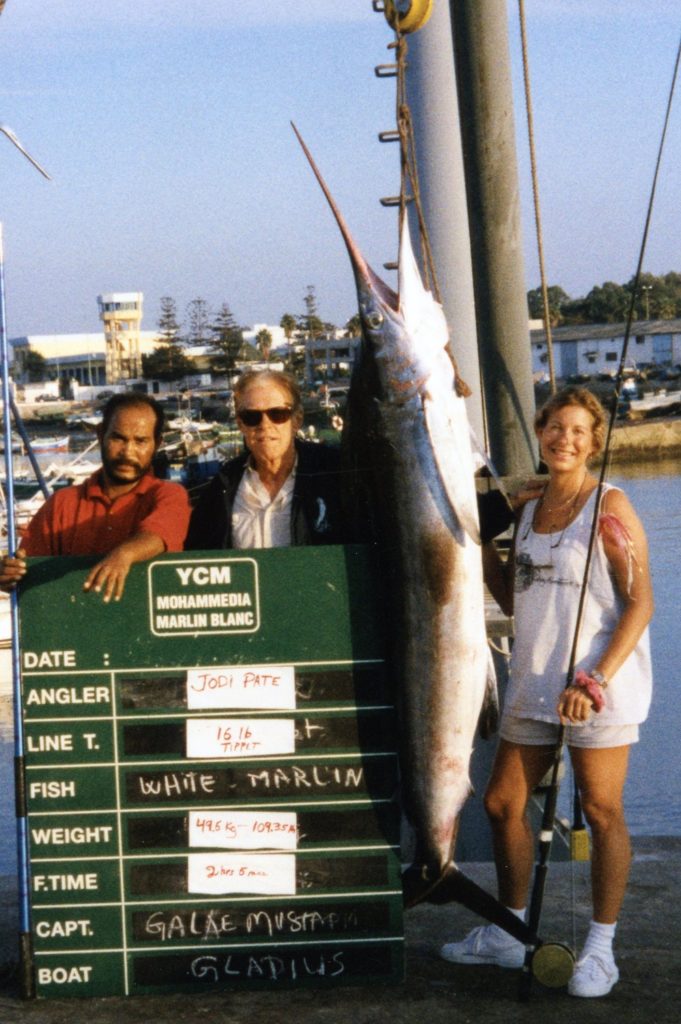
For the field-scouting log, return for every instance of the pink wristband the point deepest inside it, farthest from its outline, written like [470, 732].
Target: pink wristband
[585, 682]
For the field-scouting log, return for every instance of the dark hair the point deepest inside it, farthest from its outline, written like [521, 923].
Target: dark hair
[284, 380]
[581, 397]
[130, 400]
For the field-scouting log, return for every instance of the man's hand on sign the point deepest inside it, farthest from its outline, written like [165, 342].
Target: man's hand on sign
[110, 573]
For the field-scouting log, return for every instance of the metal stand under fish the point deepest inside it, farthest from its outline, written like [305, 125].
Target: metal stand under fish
[407, 447]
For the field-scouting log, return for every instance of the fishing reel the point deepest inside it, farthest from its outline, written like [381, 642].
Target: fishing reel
[405, 15]
[553, 964]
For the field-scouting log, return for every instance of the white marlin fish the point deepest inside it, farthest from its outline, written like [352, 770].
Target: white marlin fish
[407, 440]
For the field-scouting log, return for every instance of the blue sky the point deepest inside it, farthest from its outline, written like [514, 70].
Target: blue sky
[165, 126]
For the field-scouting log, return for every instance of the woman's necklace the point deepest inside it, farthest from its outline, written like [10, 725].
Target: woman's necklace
[568, 506]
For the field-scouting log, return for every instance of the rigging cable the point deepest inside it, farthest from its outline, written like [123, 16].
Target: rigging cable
[535, 196]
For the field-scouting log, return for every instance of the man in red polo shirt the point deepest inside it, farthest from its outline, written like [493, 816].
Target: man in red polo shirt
[122, 511]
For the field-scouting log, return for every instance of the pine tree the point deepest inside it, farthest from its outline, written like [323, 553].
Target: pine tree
[198, 322]
[167, 361]
[168, 324]
[226, 340]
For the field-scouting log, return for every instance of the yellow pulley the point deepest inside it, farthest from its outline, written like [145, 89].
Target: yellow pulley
[408, 15]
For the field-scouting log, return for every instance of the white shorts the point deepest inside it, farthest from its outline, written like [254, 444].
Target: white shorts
[533, 732]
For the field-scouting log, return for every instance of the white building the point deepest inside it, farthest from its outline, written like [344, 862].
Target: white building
[108, 358]
[328, 358]
[79, 357]
[597, 348]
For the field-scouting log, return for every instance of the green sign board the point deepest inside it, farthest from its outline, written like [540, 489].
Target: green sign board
[210, 775]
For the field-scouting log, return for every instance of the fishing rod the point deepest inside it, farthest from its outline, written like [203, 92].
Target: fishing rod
[533, 957]
[27, 977]
[23, 434]
[23, 862]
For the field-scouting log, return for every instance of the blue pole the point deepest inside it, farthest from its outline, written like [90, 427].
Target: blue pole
[23, 434]
[25, 945]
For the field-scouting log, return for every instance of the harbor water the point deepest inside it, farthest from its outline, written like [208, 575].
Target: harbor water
[653, 795]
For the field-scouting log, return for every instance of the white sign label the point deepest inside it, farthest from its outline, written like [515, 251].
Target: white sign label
[269, 874]
[199, 597]
[238, 686]
[244, 830]
[240, 737]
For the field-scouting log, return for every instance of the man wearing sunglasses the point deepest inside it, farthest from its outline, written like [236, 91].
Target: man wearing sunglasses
[282, 491]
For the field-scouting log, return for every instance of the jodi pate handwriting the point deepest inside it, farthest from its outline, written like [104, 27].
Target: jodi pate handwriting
[239, 686]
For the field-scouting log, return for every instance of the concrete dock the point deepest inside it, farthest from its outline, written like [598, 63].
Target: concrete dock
[434, 992]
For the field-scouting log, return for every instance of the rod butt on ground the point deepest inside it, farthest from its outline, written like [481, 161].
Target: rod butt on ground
[26, 966]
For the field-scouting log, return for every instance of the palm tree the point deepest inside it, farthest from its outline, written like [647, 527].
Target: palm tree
[353, 327]
[288, 323]
[263, 340]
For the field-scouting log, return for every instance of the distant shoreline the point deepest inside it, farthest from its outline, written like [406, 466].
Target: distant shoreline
[649, 439]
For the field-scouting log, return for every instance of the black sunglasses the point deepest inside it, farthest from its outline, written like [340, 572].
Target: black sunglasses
[253, 417]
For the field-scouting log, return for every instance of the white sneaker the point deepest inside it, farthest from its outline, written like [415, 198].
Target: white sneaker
[487, 944]
[594, 975]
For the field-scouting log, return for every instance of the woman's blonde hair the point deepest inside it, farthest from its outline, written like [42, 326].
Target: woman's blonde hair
[581, 397]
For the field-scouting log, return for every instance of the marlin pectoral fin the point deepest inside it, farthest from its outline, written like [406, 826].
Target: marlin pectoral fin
[460, 497]
[452, 886]
[481, 456]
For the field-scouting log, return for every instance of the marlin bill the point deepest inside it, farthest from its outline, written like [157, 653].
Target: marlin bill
[407, 447]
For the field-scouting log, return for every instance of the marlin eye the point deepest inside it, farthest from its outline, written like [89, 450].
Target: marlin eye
[375, 319]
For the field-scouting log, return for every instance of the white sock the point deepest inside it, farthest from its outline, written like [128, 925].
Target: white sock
[599, 940]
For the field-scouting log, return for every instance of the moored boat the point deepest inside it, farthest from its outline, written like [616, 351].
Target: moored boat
[51, 444]
[661, 402]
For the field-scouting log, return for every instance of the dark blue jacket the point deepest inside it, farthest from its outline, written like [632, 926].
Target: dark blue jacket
[315, 509]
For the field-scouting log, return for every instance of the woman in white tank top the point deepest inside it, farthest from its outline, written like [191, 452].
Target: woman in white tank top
[601, 710]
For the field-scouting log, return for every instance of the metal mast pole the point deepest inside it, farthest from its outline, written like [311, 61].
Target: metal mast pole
[482, 59]
[431, 93]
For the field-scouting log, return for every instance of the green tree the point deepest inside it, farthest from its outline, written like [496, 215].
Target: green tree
[575, 312]
[557, 299]
[353, 328]
[226, 340]
[309, 323]
[263, 340]
[198, 322]
[607, 303]
[671, 295]
[289, 323]
[34, 366]
[658, 298]
[167, 362]
[168, 325]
